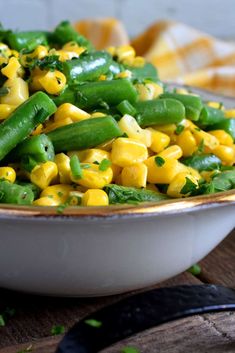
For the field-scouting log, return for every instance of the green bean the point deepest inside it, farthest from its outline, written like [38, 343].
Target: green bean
[227, 125]
[39, 148]
[202, 162]
[193, 104]
[24, 120]
[210, 116]
[94, 94]
[75, 167]
[65, 33]
[146, 72]
[88, 67]
[15, 194]
[26, 40]
[126, 107]
[159, 111]
[84, 134]
[68, 95]
[35, 189]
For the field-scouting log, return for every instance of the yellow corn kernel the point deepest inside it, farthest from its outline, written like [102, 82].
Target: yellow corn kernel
[233, 147]
[207, 175]
[81, 154]
[177, 184]
[129, 125]
[53, 82]
[116, 171]
[97, 115]
[225, 153]
[174, 151]
[94, 197]
[39, 52]
[187, 142]
[159, 140]
[111, 50]
[11, 69]
[63, 164]
[124, 74]
[125, 52]
[42, 175]
[18, 92]
[207, 139]
[216, 105]
[75, 198]
[54, 125]
[102, 77]
[192, 172]
[138, 61]
[15, 53]
[93, 178]
[182, 91]
[168, 129]
[135, 175]
[8, 173]
[152, 187]
[223, 137]
[38, 130]
[46, 201]
[6, 110]
[127, 151]
[162, 174]
[68, 110]
[107, 146]
[35, 84]
[58, 192]
[148, 91]
[94, 155]
[230, 113]
[73, 47]
[66, 55]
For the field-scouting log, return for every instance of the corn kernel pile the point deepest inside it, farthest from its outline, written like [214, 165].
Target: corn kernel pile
[149, 158]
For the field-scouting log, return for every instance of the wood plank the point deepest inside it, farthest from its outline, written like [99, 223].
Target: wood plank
[219, 266]
[199, 334]
[35, 315]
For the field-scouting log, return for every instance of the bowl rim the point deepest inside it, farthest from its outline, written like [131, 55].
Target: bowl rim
[149, 209]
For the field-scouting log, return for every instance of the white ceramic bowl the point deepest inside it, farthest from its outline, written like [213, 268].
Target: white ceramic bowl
[109, 250]
[102, 251]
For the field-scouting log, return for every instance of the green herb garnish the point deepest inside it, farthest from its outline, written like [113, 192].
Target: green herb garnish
[195, 270]
[189, 187]
[104, 165]
[179, 129]
[159, 161]
[57, 330]
[129, 350]
[93, 323]
[75, 167]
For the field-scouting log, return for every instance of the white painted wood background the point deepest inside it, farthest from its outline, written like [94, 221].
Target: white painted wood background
[216, 17]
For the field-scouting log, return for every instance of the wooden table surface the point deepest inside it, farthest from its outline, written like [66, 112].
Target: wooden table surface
[30, 326]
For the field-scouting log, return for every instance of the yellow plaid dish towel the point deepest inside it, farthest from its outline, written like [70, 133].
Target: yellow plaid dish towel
[181, 54]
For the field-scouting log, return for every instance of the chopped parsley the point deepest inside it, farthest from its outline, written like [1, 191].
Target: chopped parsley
[129, 350]
[189, 187]
[201, 147]
[195, 270]
[49, 62]
[159, 161]
[57, 330]
[75, 166]
[179, 129]
[93, 323]
[2, 321]
[104, 165]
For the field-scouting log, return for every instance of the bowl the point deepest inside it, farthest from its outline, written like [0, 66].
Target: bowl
[101, 251]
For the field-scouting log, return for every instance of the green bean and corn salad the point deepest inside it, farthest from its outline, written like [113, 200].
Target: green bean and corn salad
[92, 128]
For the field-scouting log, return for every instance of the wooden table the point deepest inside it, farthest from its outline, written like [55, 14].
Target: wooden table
[34, 316]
